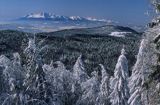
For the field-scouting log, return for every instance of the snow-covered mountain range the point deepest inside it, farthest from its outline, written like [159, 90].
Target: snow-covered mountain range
[49, 22]
[54, 17]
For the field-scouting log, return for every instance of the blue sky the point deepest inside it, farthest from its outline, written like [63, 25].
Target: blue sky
[124, 11]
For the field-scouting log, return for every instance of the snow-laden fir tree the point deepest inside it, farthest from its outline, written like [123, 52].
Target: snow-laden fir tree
[79, 70]
[36, 87]
[103, 97]
[53, 76]
[156, 3]
[90, 91]
[137, 78]
[119, 83]
[61, 81]
[14, 76]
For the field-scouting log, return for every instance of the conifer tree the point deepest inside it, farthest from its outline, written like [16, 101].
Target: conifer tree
[37, 89]
[137, 79]
[79, 70]
[120, 90]
[104, 87]
[156, 3]
[90, 90]
[14, 75]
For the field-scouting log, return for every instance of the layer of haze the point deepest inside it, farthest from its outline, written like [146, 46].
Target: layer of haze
[123, 11]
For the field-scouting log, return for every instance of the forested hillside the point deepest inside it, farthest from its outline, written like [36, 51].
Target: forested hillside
[95, 46]
[66, 69]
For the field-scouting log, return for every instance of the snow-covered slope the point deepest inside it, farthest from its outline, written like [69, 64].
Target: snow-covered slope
[119, 34]
[107, 30]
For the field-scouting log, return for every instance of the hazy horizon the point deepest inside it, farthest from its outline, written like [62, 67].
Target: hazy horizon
[104, 9]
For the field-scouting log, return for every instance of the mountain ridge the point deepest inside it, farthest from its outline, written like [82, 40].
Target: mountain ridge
[105, 30]
[54, 17]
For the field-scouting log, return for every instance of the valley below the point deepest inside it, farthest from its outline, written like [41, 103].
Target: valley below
[96, 45]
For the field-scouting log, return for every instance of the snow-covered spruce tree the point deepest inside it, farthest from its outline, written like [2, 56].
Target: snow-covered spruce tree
[14, 76]
[119, 83]
[156, 3]
[62, 83]
[79, 70]
[4, 62]
[90, 91]
[80, 76]
[36, 87]
[137, 78]
[151, 58]
[4, 95]
[103, 97]
[53, 76]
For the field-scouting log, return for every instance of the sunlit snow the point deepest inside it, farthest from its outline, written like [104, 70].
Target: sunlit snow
[119, 34]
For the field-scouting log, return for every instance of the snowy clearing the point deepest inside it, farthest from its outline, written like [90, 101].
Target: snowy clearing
[119, 34]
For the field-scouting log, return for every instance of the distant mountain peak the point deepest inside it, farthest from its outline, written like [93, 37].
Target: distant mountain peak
[38, 15]
[76, 18]
[54, 17]
[41, 15]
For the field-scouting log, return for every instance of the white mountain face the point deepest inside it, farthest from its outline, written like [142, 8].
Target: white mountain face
[51, 16]
[38, 15]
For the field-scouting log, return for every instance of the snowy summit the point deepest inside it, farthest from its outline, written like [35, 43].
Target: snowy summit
[50, 16]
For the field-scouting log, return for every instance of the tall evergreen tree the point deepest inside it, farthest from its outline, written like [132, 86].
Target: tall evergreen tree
[137, 78]
[119, 83]
[104, 88]
[14, 75]
[156, 3]
[62, 83]
[79, 70]
[36, 86]
[90, 90]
